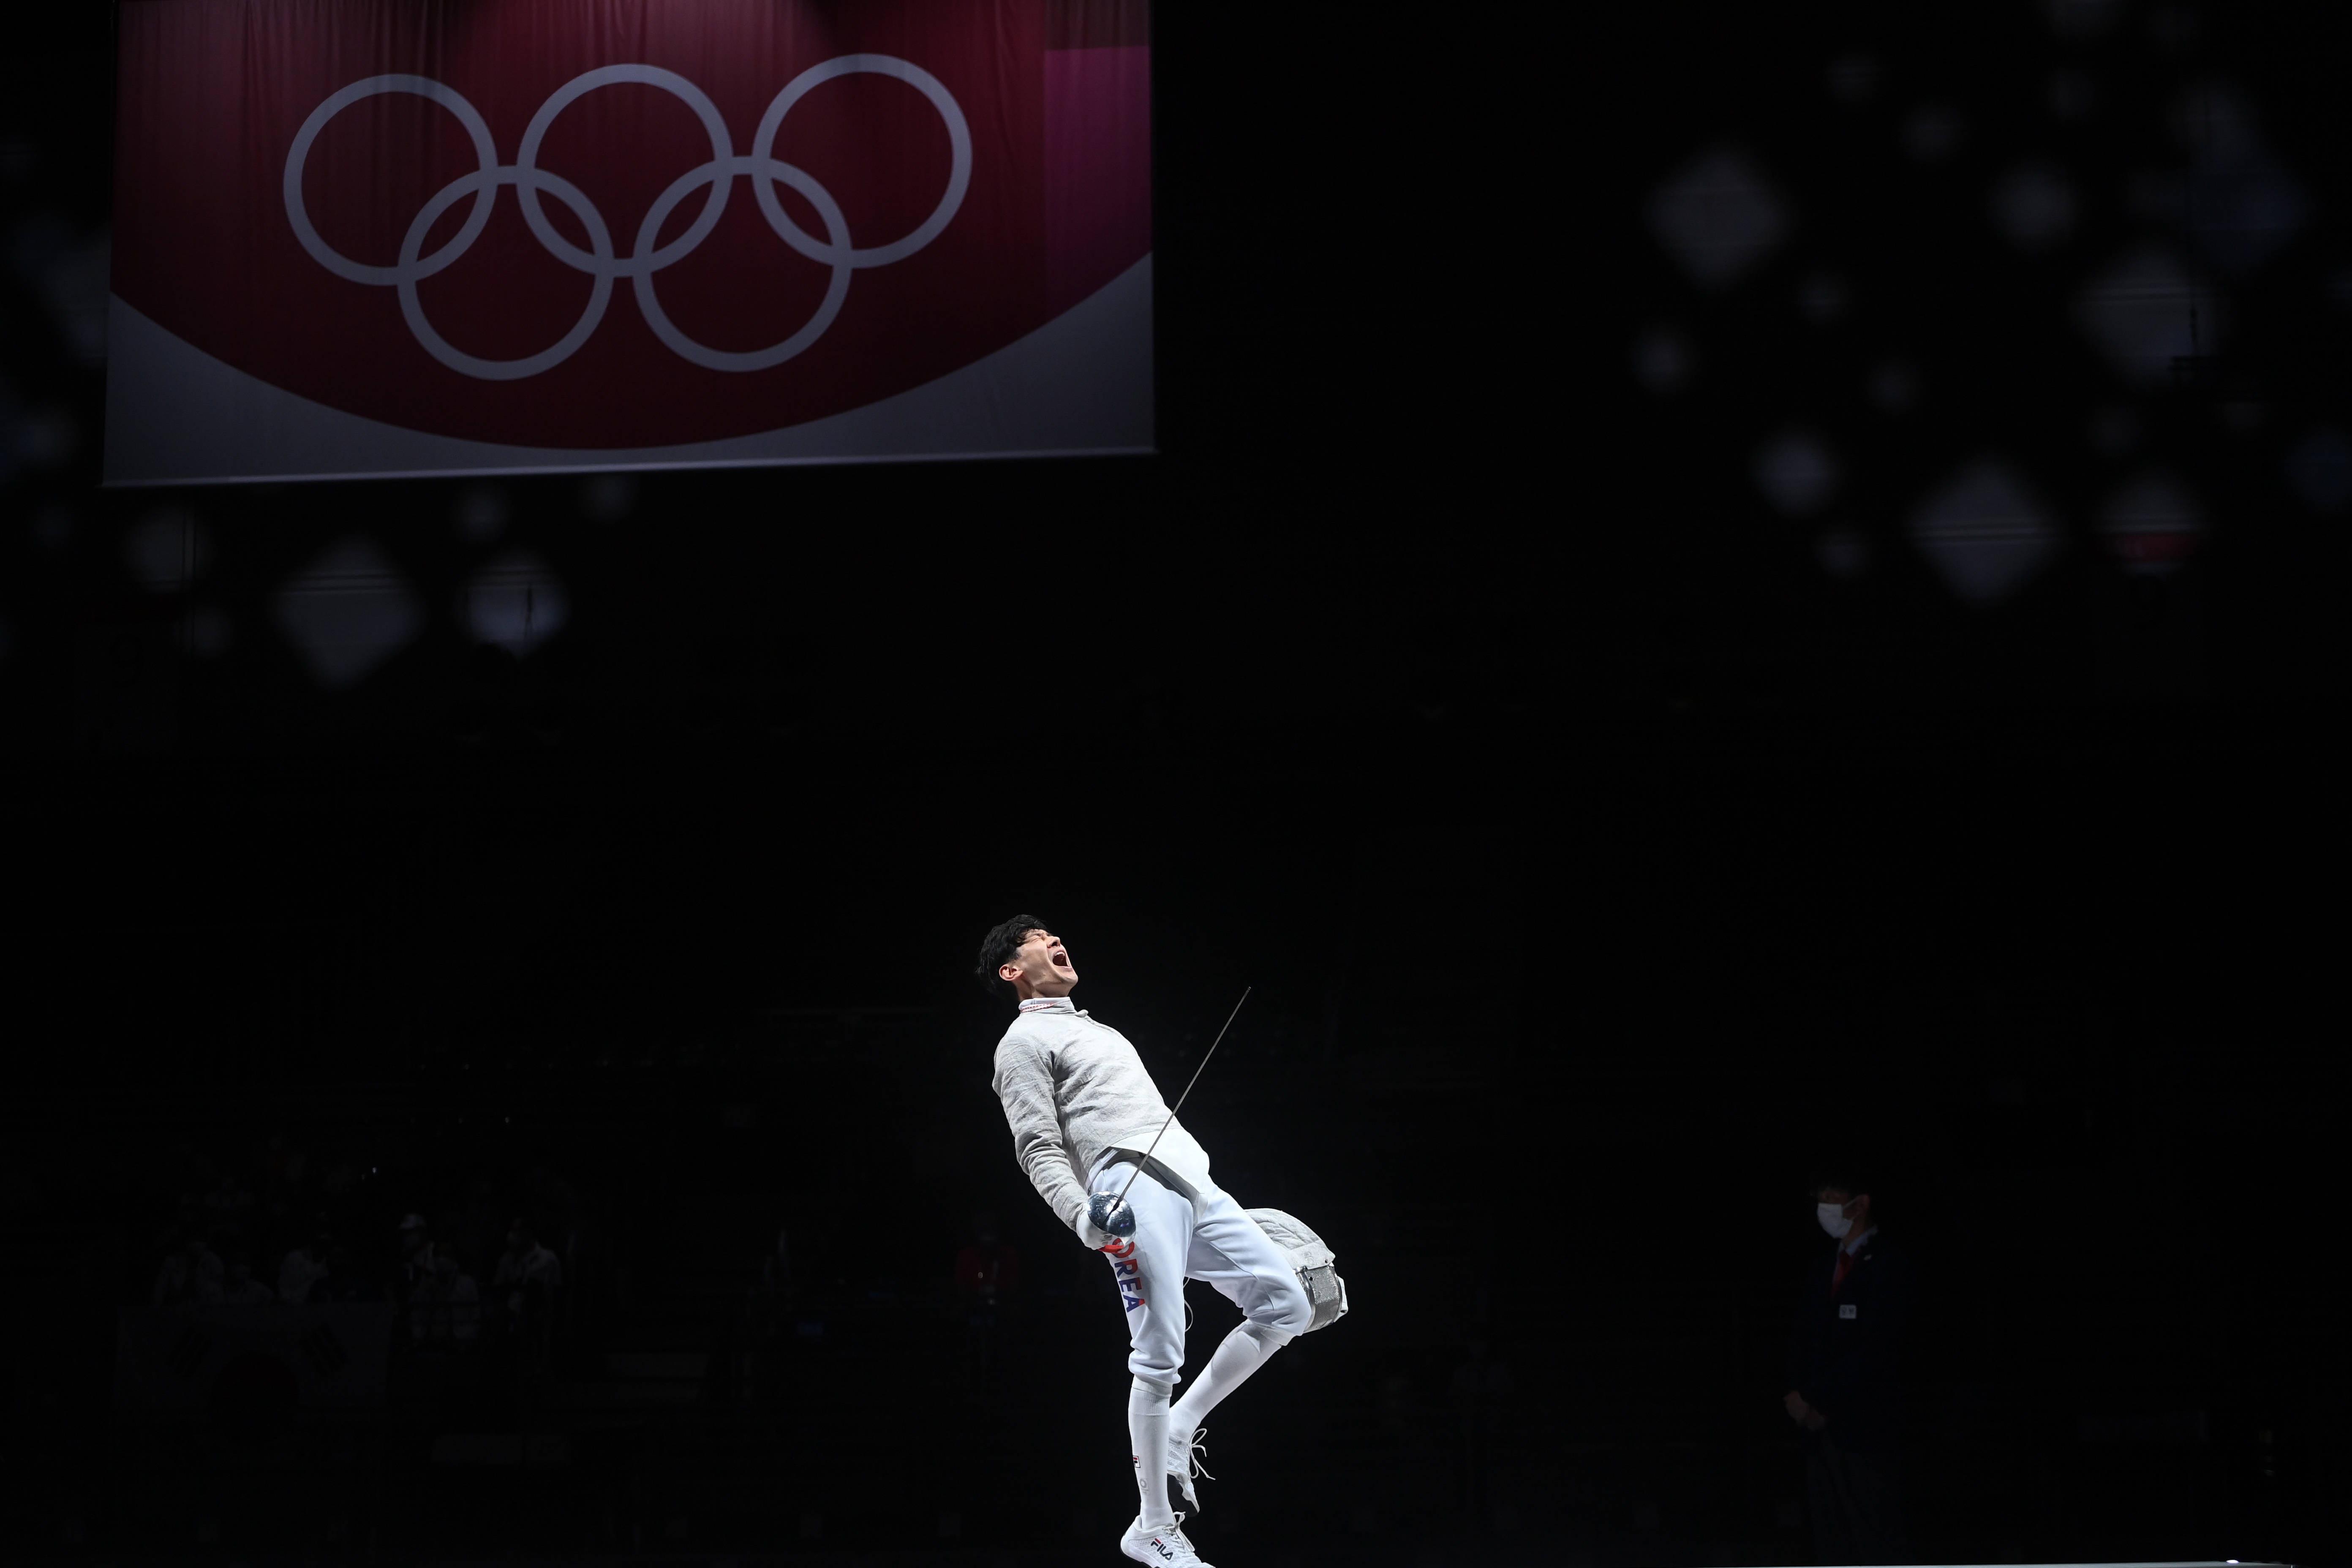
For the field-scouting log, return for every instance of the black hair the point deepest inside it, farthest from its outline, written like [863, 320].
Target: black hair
[998, 946]
[1854, 1178]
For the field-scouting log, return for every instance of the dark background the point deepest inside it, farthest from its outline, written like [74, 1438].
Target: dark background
[1604, 845]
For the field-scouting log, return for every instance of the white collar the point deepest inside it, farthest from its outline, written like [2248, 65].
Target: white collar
[1049, 1004]
[1854, 1243]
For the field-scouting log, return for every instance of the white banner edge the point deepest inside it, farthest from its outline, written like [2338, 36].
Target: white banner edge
[1045, 373]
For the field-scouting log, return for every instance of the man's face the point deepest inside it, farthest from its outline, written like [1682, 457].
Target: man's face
[1042, 966]
[1854, 1207]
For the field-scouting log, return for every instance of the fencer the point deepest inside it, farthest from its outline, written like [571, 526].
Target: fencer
[1083, 1110]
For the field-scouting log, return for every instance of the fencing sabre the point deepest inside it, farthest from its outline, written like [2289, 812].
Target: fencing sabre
[1121, 1221]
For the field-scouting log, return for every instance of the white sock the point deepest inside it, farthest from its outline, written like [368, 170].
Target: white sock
[1240, 1353]
[1147, 1429]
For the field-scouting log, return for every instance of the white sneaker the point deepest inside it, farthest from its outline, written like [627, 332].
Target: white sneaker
[1164, 1547]
[1184, 1462]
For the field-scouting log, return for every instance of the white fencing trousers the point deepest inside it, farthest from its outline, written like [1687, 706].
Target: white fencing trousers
[1206, 1236]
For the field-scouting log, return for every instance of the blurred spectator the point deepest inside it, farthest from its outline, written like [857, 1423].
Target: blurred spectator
[239, 1288]
[191, 1275]
[1845, 1369]
[987, 1276]
[195, 1182]
[476, 1226]
[722, 1368]
[989, 1269]
[777, 1273]
[282, 1166]
[1397, 1415]
[546, 1193]
[282, 1169]
[445, 1311]
[303, 1266]
[526, 1290]
[338, 1181]
[415, 1254]
[527, 1268]
[1481, 1389]
[343, 1281]
[228, 1207]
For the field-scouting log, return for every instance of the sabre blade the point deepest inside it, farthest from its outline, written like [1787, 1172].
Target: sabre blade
[1188, 1090]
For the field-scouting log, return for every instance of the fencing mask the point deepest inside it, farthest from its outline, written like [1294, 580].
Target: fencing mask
[1313, 1261]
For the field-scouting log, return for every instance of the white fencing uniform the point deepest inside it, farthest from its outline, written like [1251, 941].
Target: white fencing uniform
[1204, 1235]
[1080, 1103]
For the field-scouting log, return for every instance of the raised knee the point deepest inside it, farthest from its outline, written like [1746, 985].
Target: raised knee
[1286, 1312]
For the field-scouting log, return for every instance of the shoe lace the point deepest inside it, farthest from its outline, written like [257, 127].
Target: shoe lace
[1199, 1453]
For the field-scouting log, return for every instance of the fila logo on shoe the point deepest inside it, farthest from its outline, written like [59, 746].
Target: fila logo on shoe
[1166, 1552]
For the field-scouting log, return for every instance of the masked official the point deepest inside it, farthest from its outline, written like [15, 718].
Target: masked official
[1845, 1377]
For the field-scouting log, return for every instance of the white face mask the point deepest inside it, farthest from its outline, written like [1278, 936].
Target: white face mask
[1833, 1220]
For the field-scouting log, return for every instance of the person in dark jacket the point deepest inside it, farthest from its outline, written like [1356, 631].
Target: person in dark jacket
[1845, 1378]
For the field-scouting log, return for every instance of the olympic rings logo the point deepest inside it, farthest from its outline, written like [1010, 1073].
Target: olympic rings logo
[645, 259]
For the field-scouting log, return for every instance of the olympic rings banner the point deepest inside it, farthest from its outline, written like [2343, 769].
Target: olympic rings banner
[364, 237]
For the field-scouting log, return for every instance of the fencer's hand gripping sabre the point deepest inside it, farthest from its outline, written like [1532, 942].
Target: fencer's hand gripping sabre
[1110, 1215]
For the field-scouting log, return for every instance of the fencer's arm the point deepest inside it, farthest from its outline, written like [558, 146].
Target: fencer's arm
[1025, 1084]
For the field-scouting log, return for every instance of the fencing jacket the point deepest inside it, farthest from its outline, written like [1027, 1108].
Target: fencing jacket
[1074, 1090]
